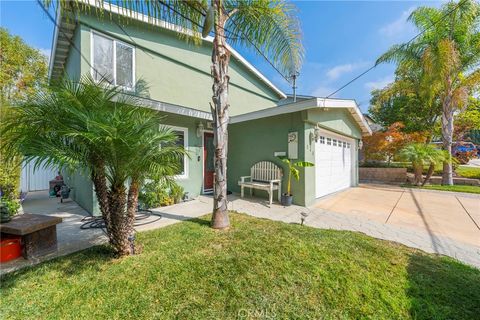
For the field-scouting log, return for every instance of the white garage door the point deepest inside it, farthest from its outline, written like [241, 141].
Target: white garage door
[333, 163]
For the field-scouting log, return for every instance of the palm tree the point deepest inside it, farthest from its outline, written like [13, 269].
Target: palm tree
[449, 48]
[269, 26]
[94, 126]
[420, 154]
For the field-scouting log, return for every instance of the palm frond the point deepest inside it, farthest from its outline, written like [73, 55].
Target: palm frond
[271, 26]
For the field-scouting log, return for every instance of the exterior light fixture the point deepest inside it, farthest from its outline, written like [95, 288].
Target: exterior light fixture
[199, 130]
[360, 144]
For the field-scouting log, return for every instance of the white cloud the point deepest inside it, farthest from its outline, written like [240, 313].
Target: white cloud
[399, 26]
[322, 91]
[45, 52]
[337, 71]
[380, 83]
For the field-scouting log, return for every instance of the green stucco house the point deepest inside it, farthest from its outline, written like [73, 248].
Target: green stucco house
[265, 122]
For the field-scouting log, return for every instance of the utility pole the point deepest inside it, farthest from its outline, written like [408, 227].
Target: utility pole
[294, 85]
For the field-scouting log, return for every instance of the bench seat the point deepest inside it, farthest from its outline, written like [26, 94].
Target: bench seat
[264, 175]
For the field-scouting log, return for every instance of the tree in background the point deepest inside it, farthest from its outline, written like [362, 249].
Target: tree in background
[467, 120]
[449, 48]
[94, 126]
[411, 99]
[384, 145]
[23, 71]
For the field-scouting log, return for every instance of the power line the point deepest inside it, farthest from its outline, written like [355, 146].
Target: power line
[399, 48]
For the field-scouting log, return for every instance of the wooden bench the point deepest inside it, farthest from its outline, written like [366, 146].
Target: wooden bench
[38, 232]
[264, 175]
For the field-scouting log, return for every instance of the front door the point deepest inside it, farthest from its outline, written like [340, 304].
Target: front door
[208, 164]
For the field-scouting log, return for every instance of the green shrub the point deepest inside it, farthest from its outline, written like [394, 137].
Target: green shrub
[159, 194]
[12, 205]
[9, 179]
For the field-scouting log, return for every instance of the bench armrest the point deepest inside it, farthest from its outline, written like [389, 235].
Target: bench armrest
[242, 179]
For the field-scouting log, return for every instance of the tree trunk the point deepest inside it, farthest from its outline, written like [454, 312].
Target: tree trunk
[132, 204]
[417, 171]
[431, 169]
[101, 191]
[220, 61]
[120, 233]
[447, 136]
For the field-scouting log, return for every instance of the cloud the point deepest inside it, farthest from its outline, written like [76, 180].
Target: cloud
[337, 71]
[399, 26]
[322, 91]
[380, 83]
[45, 52]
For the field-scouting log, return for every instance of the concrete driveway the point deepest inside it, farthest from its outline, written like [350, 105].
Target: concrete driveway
[452, 215]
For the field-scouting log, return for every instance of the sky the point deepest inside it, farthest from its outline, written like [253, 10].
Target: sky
[341, 38]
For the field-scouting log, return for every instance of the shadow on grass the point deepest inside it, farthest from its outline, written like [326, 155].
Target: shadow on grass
[69, 265]
[442, 288]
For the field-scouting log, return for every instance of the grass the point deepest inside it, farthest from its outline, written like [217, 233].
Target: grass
[468, 172]
[454, 188]
[257, 269]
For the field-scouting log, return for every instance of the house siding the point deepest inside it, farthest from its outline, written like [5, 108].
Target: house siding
[257, 140]
[177, 71]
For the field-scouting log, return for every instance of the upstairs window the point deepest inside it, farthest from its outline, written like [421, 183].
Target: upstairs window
[112, 60]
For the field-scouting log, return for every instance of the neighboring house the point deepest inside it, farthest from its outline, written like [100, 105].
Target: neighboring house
[373, 125]
[177, 73]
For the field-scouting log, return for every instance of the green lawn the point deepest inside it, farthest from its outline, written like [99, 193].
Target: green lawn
[454, 188]
[258, 267]
[468, 172]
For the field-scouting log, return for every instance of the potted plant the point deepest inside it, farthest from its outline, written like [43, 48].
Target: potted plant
[293, 167]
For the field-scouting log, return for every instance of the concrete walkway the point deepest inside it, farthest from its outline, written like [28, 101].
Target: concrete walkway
[70, 237]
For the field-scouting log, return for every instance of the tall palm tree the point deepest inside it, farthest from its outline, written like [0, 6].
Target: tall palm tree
[94, 126]
[449, 48]
[269, 26]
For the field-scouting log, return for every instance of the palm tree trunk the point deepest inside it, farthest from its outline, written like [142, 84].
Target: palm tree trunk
[430, 171]
[447, 137]
[220, 61]
[417, 171]
[101, 191]
[132, 204]
[119, 230]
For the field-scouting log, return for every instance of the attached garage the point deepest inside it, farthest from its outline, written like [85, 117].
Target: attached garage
[326, 132]
[334, 163]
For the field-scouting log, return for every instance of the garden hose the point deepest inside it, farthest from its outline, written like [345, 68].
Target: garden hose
[92, 222]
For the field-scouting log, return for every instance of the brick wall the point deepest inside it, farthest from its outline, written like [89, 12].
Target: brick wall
[398, 175]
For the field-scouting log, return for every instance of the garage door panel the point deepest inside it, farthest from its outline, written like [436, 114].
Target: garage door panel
[333, 164]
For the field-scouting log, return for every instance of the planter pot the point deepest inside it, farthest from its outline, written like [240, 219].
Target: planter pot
[286, 200]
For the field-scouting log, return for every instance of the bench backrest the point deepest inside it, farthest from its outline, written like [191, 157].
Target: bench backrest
[265, 171]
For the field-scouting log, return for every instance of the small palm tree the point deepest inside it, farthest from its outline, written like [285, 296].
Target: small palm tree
[420, 154]
[269, 26]
[94, 126]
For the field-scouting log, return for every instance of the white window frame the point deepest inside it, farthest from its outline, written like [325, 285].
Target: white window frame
[185, 146]
[92, 32]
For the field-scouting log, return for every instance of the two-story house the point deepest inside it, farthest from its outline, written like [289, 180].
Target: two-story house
[264, 121]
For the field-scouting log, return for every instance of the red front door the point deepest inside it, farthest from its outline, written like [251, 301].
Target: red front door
[208, 164]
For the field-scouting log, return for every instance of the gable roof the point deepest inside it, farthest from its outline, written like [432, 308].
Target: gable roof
[306, 104]
[65, 28]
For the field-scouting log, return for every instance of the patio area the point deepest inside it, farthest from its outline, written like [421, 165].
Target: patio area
[437, 228]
